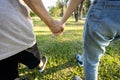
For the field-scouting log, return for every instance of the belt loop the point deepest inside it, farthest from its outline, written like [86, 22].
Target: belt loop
[95, 1]
[105, 4]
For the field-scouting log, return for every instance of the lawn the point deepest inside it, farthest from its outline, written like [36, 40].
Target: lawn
[61, 51]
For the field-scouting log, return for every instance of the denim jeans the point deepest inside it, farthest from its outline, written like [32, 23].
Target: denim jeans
[102, 26]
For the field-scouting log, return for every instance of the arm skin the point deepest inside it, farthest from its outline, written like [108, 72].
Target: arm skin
[72, 5]
[39, 9]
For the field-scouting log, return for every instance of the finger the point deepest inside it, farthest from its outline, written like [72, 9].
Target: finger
[58, 34]
[61, 30]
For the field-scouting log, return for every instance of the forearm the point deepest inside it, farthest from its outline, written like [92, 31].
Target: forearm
[39, 9]
[72, 5]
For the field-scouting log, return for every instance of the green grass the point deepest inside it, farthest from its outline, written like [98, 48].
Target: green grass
[61, 51]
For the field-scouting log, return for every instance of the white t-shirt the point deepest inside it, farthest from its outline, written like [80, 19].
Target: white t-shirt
[16, 28]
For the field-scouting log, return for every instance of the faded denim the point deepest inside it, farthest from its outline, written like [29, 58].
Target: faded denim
[102, 26]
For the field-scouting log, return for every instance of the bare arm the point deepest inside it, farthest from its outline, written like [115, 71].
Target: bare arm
[38, 7]
[72, 5]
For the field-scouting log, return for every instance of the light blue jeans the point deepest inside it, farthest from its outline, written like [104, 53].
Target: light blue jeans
[102, 26]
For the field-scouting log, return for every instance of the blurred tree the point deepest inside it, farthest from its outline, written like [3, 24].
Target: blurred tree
[54, 11]
[61, 5]
[59, 8]
[82, 9]
[78, 11]
[86, 5]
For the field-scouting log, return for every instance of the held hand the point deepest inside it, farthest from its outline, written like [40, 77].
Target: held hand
[57, 28]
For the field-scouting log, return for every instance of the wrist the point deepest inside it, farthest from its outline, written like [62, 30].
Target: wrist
[49, 22]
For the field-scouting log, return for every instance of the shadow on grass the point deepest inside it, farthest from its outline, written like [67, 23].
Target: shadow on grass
[32, 74]
[61, 67]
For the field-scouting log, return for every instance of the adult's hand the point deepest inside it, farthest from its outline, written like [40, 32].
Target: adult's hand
[56, 27]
